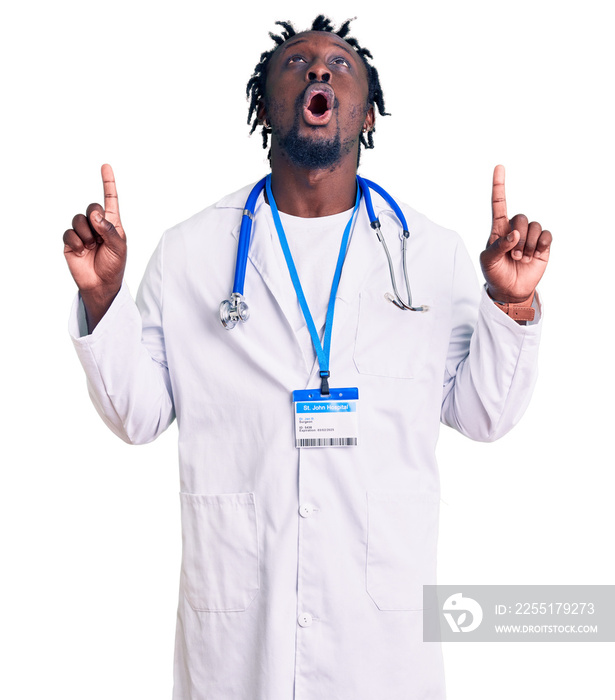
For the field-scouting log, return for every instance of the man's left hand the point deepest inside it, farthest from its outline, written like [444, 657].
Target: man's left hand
[517, 251]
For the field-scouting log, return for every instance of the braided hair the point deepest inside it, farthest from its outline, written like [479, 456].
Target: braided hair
[255, 89]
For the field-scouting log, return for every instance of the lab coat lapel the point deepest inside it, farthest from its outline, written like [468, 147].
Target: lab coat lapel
[266, 257]
[362, 257]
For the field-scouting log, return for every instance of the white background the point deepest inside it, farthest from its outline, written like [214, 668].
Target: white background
[90, 539]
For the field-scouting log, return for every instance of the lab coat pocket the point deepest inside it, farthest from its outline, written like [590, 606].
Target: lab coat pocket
[401, 548]
[391, 342]
[219, 551]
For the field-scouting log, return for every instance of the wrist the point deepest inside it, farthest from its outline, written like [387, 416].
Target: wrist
[502, 298]
[97, 302]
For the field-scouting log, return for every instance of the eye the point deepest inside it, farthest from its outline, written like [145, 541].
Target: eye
[340, 61]
[296, 59]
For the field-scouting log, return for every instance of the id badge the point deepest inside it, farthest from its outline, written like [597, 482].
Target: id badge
[326, 421]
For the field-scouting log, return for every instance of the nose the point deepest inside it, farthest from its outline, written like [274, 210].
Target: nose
[318, 71]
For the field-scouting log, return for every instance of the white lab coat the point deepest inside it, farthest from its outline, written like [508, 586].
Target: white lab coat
[302, 570]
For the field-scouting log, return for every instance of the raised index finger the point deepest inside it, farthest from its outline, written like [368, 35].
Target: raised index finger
[112, 210]
[498, 203]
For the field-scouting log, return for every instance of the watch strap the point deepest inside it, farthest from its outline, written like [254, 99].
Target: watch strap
[521, 311]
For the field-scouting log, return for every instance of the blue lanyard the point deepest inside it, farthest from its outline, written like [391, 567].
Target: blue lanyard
[323, 351]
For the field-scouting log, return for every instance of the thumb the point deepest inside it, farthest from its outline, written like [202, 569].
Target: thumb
[106, 230]
[499, 247]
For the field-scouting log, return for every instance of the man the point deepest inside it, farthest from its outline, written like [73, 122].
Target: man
[302, 569]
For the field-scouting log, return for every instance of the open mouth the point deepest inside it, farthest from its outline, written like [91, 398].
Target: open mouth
[317, 104]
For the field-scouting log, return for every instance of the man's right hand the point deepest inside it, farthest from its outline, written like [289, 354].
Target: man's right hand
[95, 250]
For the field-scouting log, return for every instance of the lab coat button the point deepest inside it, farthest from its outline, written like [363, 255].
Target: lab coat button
[306, 510]
[305, 619]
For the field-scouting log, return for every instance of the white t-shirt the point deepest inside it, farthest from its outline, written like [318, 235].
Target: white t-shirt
[315, 245]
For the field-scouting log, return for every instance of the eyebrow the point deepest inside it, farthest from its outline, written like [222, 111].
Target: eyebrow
[349, 51]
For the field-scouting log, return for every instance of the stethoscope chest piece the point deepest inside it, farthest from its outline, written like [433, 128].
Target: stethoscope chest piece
[233, 310]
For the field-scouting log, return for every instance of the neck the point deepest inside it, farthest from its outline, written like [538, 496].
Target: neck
[312, 193]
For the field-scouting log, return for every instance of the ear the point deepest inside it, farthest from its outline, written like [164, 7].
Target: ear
[370, 119]
[261, 112]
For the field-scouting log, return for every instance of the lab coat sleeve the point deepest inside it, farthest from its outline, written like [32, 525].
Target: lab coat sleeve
[125, 360]
[491, 364]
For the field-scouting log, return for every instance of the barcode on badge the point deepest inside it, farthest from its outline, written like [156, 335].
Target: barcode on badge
[325, 442]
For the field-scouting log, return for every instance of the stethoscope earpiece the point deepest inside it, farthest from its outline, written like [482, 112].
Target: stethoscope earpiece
[404, 307]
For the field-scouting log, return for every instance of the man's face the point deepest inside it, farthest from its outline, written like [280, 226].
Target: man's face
[316, 99]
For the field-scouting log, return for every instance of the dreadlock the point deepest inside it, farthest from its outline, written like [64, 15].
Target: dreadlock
[255, 89]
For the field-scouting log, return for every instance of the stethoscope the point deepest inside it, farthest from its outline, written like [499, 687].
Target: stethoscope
[235, 309]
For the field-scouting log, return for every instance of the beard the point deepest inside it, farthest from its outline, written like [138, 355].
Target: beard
[314, 154]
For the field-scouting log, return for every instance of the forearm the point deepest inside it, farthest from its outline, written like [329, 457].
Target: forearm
[492, 385]
[129, 388]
